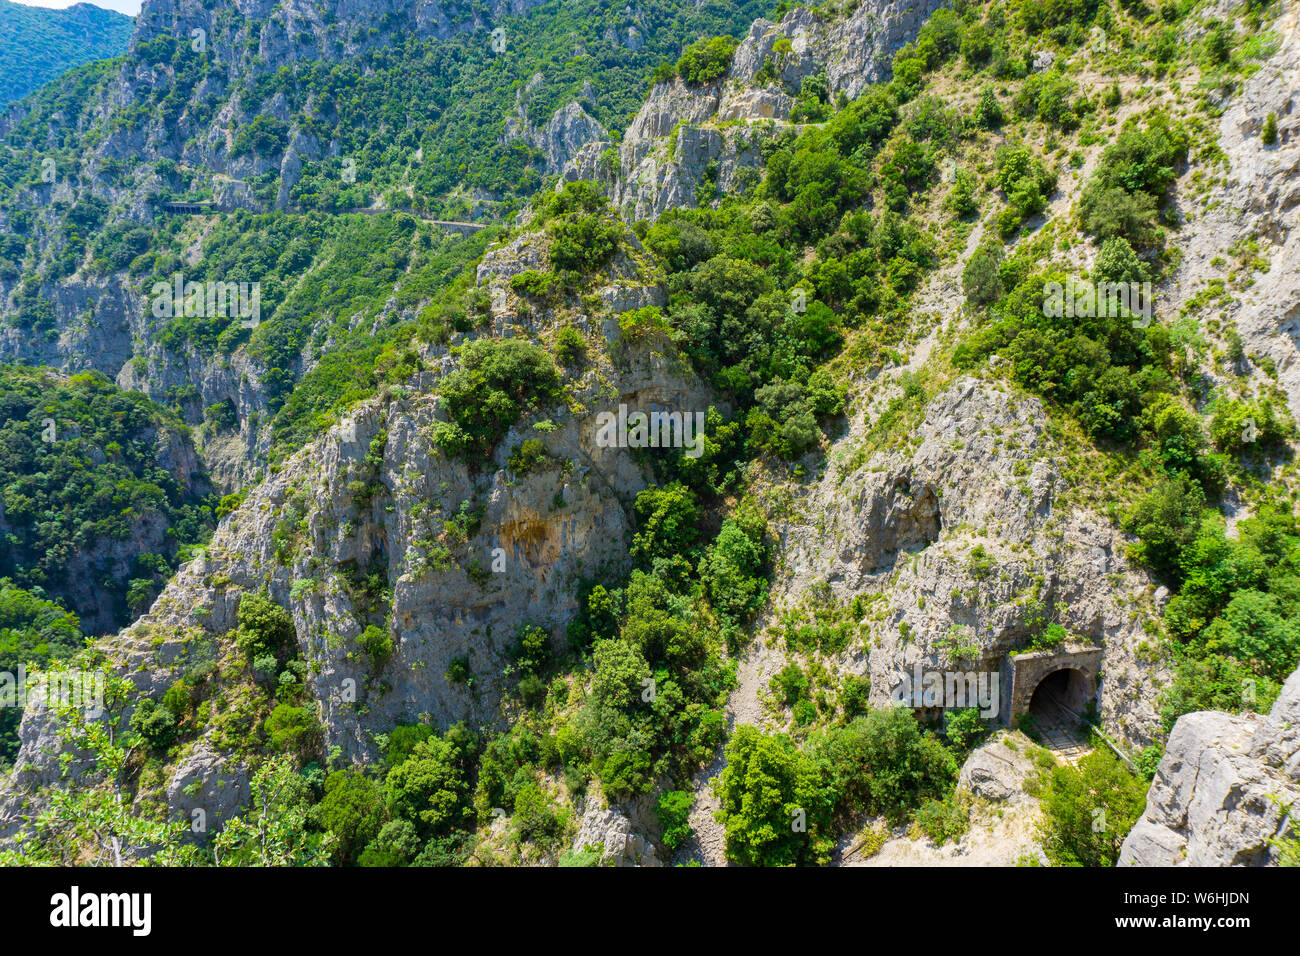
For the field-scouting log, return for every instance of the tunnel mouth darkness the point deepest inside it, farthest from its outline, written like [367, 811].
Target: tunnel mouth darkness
[1061, 696]
[1057, 708]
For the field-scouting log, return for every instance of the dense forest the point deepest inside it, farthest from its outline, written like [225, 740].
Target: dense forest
[37, 44]
[852, 215]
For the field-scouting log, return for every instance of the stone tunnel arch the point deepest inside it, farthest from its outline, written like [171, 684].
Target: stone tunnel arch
[1076, 688]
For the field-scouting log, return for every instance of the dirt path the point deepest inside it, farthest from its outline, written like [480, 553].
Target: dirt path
[999, 836]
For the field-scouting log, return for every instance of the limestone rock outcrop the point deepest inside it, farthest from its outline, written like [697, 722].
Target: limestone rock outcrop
[690, 143]
[1223, 790]
[614, 832]
[960, 538]
[1255, 207]
[997, 770]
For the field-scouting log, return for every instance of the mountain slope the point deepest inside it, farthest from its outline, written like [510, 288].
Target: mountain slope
[504, 637]
[37, 44]
[286, 110]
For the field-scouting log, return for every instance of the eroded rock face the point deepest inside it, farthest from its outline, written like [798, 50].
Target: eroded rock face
[206, 790]
[1220, 793]
[1258, 202]
[103, 322]
[685, 136]
[960, 532]
[997, 771]
[562, 138]
[854, 53]
[622, 841]
[376, 495]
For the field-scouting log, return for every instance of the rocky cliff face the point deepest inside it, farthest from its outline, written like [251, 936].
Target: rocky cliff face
[331, 513]
[957, 524]
[1247, 230]
[101, 320]
[564, 136]
[1224, 790]
[684, 135]
[964, 532]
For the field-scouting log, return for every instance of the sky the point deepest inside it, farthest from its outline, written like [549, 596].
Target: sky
[129, 7]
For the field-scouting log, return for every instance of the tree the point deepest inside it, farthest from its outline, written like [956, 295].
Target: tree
[1268, 136]
[397, 845]
[1214, 682]
[674, 811]
[706, 60]
[583, 243]
[961, 197]
[276, 831]
[775, 806]
[1088, 809]
[1259, 629]
[33, 632]
[976, 46]
[537, 819]
[732, 573]
[988, 114]
[1117, 262]
[620, 672]
[429, 789]
[1166, 521]
[353, 810]
[496, 382]
[667, 522]
[885, 763]
[1109, 212]
[980, 279]
[293, 730]
[265, 628]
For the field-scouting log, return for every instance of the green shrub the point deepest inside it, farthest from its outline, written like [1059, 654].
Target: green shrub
[377, 642]
[667, 522]
[884, 763]
[980, 278]
[790, 684]
[265, 629]
[527, 457]
[429, 789]
[1088, 809]
[775, 804]
[943, 820]
[706, 60]
[1268, 135]
[855, 695]
[353, 810]
[155, 723]
[537, 819]
[293, 730]
[674, 811]
[397, 844]
[570, 347]
[533, 284]
[496, 382]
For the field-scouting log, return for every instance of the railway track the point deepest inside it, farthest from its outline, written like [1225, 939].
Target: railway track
[1059, 727]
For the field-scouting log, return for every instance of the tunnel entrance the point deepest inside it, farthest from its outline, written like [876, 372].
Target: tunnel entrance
[1056, 709]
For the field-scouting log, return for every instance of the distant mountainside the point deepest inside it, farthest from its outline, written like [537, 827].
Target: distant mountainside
[36, 44]
[863, 436]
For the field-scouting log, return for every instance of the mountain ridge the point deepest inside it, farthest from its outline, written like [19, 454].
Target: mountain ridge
[453, 605]
[40, 43]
